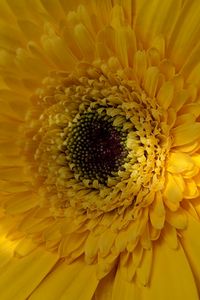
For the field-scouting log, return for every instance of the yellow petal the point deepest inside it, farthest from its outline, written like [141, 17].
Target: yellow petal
[71, 5]
[192, 108]
[122, 289]
[37, 66]
[177, 219]
[150, 24]
[191, 66]
[159, 44]
[194, 73]
[190, 174]
[84, 15]
[179, 99]
[191, 245]
[10, 37]
[106, 42]
[13, 186]
[22, 8]
[13, 109]
[167, 68]
[170, 236]
[191, 147]
[106, 241]
[91, 247]
[54, 9]
[68, 34]
[186, 33]
[196, 159]
[165, 94]
[5, 12]
[30, 29]
[7, 249]
[145, 238]
[185, 134]
[185, 119]
[58, 51]
[70, 243]
[6, 129]
[32, 224]
[140, 64]
[179, 162]
[9, 173]
[154, 233]
[179, 181]
[157, 212]
[68, 282]
[144, 270]
[53, 232]
[178, 82]
[121, 240]
[28, 272]
[24, 247]
[153, 56]
[117, 17]
[191, 190]
[104, 289]
[125, 45]
[105, 7]
[172, 193]
[151, 81]
[129, 9]
[84, 41]
[106, 264]
[10, 155]
[133, 262]
[192, 209]
[17, 203]
[167, 265]
[171, 117]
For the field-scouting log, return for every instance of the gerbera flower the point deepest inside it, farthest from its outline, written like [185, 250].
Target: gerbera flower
[100, 139]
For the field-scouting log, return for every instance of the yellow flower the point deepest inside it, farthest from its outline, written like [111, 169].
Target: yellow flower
[100, 159]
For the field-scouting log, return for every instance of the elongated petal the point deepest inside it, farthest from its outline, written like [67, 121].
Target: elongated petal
[123, 289]
[28, 273]
[191, 245]
[172, 194]
[68, 282]
[171, 262]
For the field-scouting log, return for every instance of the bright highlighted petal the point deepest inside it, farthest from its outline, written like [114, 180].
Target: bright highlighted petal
[172, 193]
[185, 134]
[180, 162]
[178, 220]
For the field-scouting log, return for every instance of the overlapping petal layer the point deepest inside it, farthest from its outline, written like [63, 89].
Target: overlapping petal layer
[64, 232]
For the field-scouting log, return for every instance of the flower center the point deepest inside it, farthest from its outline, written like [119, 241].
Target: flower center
[96, 149]
[95, 144]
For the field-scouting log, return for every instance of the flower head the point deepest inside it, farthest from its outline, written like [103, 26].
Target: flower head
[100, 139]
